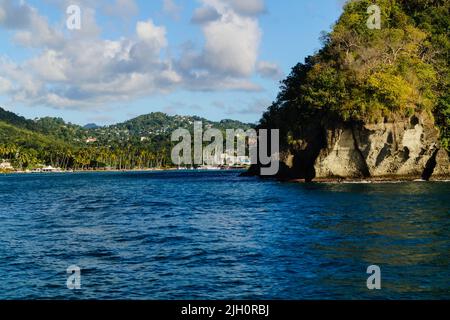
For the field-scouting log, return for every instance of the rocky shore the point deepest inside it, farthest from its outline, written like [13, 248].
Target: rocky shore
[401, 149]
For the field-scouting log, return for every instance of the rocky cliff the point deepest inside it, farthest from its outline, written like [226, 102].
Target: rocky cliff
[405, 148]
[371, 103]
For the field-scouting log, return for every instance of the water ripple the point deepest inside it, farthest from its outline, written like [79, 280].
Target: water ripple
[214, 235]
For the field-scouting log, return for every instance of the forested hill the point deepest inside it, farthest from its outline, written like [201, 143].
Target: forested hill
[140, 142]
[372, 75]
[157, 124]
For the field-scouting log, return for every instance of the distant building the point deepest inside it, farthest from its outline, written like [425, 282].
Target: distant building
[234, 160]
[6, 166]
[50, 169]
[91, 140]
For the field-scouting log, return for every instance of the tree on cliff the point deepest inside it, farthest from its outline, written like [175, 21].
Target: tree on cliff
[371, 75]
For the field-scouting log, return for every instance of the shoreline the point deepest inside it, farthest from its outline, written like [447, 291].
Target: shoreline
[113, 170]
[373, 180]
[87, 171]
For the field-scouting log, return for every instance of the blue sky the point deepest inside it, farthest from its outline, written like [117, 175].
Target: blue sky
[213, 58]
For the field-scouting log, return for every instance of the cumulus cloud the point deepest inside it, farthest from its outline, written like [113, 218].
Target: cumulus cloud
[232, 44]
[22, 84]
[79, 69]
[147, 31]
[32, 29]
[91, 71]
[230, 51]
[49, 66]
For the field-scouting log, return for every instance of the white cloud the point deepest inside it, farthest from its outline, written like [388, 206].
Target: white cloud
[89, 27]
[5, 85]
[50, 66]
[39, 35]
[232, 44]
[79, 69]
[22, 83]
[89, 71]
[148, 32]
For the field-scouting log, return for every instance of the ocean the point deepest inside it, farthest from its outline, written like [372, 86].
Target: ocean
[215, 235]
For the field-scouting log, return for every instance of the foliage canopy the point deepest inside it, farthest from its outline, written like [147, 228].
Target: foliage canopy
[372, 75]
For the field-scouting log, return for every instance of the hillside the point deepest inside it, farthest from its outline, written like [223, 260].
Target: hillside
[55, 127]
[156, 125]
[370, 103]
[141, 142]
[25, 147]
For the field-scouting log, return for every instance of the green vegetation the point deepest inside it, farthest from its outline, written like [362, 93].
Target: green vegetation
[373, 75]
[143, 142]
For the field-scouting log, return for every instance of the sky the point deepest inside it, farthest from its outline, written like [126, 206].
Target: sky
[219, 59]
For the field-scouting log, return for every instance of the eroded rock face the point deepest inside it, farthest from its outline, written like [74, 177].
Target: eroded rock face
[403, 148]
[341, 157]
[442, 169]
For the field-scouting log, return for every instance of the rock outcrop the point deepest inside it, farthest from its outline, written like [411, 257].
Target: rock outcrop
[442, 168]
[405, 148]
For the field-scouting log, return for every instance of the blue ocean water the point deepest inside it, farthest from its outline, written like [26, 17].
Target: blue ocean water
[215, 235]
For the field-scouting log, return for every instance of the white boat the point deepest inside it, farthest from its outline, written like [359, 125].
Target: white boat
[50, 169]
[209, 168]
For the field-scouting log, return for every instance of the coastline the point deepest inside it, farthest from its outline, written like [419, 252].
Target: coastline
[88, 171]
[340, 180]
[113, 170]
[373, 180]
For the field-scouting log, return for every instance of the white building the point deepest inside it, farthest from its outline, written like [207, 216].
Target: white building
[6, 166]
[235, 160]
[50, 169]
